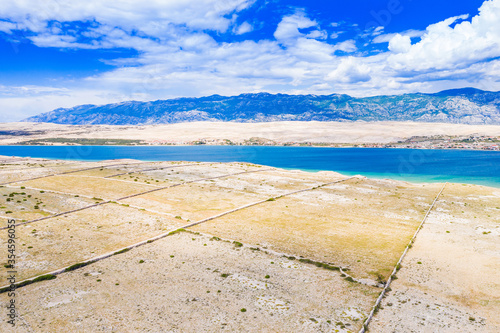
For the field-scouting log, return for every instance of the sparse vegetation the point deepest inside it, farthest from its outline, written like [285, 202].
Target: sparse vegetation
[76, 266]
[121, 251]
[317, 264]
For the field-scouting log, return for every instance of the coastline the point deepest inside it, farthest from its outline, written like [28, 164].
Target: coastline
[272, 227]
[283, 133]
[248, 154]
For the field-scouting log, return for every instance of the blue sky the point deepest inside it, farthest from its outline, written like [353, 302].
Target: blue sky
[61, 53]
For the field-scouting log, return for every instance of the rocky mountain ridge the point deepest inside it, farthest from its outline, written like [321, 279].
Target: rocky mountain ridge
[464, 106]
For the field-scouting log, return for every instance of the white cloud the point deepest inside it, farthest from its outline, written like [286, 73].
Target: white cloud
[289, 26]
[317, 34]
[385, 38]
[346, 46]
[350, 70]
[444, 47]
[7, 27]
[29, 90]
[29, 100]
[400, 44]
[148, 16]
[177, 57]
[244, 28]
[378, 30]
[334, 35]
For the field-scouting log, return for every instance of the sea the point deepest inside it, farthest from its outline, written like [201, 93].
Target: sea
[414, 165]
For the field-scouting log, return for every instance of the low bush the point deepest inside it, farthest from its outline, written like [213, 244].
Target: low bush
[76, 266]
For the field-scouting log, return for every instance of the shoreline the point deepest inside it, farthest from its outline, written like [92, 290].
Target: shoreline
[415, 135]
[253, 146]
[413, 179]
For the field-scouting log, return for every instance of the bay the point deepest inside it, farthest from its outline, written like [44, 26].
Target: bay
[415, 165]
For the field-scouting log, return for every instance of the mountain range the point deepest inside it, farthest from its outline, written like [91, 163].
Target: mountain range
[464, 106]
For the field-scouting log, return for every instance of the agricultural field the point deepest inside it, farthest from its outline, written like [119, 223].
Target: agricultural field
[125, 246]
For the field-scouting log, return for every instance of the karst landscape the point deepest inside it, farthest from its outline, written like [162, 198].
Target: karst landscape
[212, 247]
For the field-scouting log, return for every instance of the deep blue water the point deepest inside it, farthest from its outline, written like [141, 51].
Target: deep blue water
[462, 166]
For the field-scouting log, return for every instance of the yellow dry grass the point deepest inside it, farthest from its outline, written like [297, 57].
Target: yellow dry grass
[94, 187]
[363, 225]
[175, 284]
[65, 240]
[194, 201]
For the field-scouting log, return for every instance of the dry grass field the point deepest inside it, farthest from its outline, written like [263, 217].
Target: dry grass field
[253, 256]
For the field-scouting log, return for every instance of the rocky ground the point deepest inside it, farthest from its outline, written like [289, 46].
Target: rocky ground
[254, 255]
[291, 132]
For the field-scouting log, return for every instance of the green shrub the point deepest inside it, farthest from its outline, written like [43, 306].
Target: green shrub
[38, 279]
[176, 231]
[44, 277]
[76, 266]
[121, 251]
[318, 264]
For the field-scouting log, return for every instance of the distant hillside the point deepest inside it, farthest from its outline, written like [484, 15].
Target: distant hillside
[465, 106]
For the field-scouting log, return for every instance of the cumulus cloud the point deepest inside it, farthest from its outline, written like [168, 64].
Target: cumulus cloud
[289, 26]
[385, 38]
[400, 44]
[180, 52]
[346, 46]
[444, 47]
[350, 70]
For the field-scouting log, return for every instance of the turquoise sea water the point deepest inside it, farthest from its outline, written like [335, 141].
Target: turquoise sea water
[416, 165]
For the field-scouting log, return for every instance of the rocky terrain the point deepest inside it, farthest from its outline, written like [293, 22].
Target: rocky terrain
[461, 106]
[405, 134]
[125, 245]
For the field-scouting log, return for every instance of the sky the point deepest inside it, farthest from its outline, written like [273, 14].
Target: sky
[62, 53]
